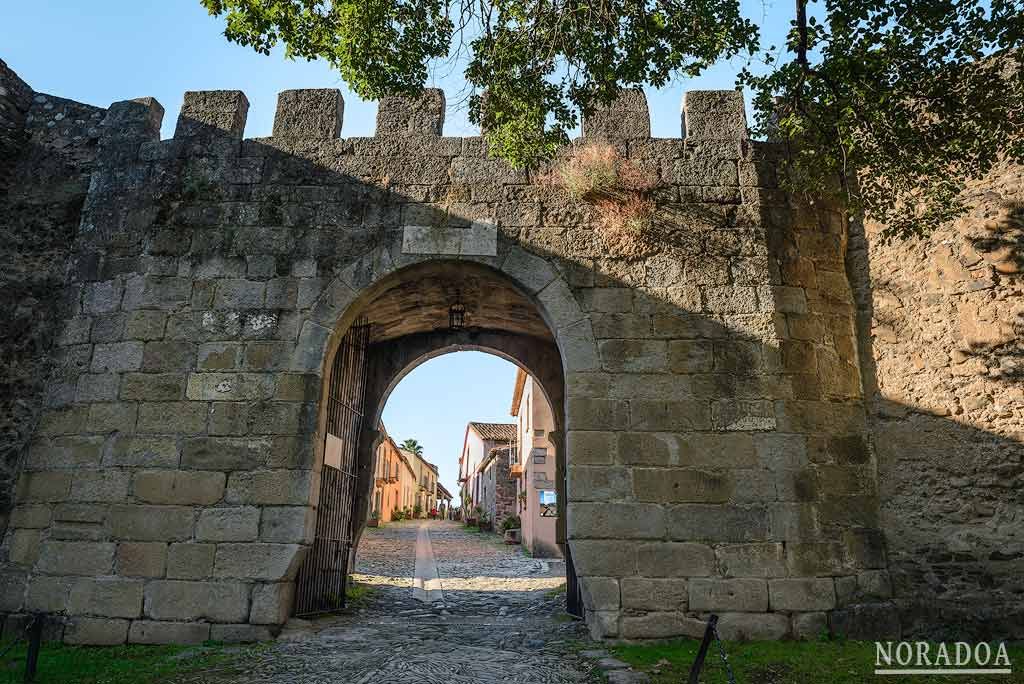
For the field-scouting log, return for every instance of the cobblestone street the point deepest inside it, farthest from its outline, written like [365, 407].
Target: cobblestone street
[501, 620]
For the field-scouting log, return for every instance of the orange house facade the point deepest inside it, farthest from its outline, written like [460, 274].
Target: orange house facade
[402, 481]
[394, 482]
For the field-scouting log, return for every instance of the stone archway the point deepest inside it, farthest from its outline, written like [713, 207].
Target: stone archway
[406, 313]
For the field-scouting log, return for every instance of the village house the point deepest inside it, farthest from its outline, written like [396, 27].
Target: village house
[424, 491]
[533, 467]
[394, 480]
[497, 488]
[444, 501]
[478, 485]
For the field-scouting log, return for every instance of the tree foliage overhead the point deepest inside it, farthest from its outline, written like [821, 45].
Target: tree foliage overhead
[892, 102]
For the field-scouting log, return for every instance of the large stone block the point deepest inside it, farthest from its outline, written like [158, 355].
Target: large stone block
[288, 524]
[604, 558]
[234, 524]
[679, 416]
[76, 558]
[154, 632]
[270, 488]
[230, 386]
[752, 560]
[225, 453]
[669, 559]
[151, 523]
[109, 485]
[213, 601]
[46, 594]
[675, 485]
[172, 417]
[190, 561]
[272, 603]
[642, 593]
[118, 357]
[626, 117]
[591, 447]
[12, 590]
[866, 621]
[311, 114]
[753, 627]
[146, 452]
[802, 594]
[43, 486]
[116, 598]
[212, 114]
[179, 487]
[717, 522]
[96, 631]
[258, 561]
[600, 483]
[616, 521]
[152, 386]
[141, 559]
[661, 625]
[421, 115]
[718, 595]
[714, 114]
[64, 452]
[634, 356]
[600, 593]
[241, 634]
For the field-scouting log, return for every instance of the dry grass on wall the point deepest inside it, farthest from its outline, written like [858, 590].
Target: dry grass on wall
[619, 191]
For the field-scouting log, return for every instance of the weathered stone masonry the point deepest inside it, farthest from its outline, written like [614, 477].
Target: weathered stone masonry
[719, 455]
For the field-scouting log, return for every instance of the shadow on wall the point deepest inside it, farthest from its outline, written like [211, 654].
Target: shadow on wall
[713, 390]
[941, 329]
[47, 147]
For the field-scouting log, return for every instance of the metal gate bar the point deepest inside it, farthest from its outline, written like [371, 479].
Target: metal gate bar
[573, 591]
[321, 583]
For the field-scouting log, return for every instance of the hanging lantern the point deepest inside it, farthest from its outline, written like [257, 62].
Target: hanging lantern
[457, 316]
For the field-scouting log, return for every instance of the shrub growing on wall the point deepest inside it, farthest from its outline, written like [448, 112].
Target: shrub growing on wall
[619, 191]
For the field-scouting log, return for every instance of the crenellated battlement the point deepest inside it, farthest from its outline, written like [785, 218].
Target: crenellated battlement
[318, 114]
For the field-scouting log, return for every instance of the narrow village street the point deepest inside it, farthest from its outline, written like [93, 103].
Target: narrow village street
[494, 615]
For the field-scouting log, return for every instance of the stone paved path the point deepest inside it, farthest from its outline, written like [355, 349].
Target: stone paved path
[499, 621]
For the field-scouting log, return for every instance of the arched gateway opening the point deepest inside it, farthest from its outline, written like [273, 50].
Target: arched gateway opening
[405, 319]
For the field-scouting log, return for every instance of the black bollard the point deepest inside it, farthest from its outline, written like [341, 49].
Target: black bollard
[35, 638]
[698, 663]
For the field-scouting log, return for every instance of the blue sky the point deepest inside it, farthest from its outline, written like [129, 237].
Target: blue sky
[434, 402]
[102, 52]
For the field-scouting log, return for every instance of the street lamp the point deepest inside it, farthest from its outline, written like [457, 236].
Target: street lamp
[457, 316]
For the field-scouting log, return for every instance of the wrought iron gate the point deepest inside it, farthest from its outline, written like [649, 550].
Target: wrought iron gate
[321, 583]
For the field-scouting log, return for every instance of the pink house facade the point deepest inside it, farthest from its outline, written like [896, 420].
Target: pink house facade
[533, 468]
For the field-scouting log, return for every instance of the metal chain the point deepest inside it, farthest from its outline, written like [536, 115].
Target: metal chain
[725, 658]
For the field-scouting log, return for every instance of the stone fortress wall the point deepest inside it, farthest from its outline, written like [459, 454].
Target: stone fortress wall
[721, 456]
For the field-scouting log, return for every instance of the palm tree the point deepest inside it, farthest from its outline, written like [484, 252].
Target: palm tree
[413, 446]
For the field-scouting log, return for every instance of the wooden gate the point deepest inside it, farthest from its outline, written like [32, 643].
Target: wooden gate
[320, 586]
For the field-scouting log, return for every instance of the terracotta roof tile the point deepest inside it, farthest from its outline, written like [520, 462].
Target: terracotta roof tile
[499, 432]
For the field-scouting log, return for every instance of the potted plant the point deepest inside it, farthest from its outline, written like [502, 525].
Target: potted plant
[374, 519]
[511, 527]
[485, 523]
[417, 511]
[396, 515]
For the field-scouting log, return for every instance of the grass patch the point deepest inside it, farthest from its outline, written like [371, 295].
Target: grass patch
[356, 593]
[787, 662]
[556, 591]
[131, 664]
